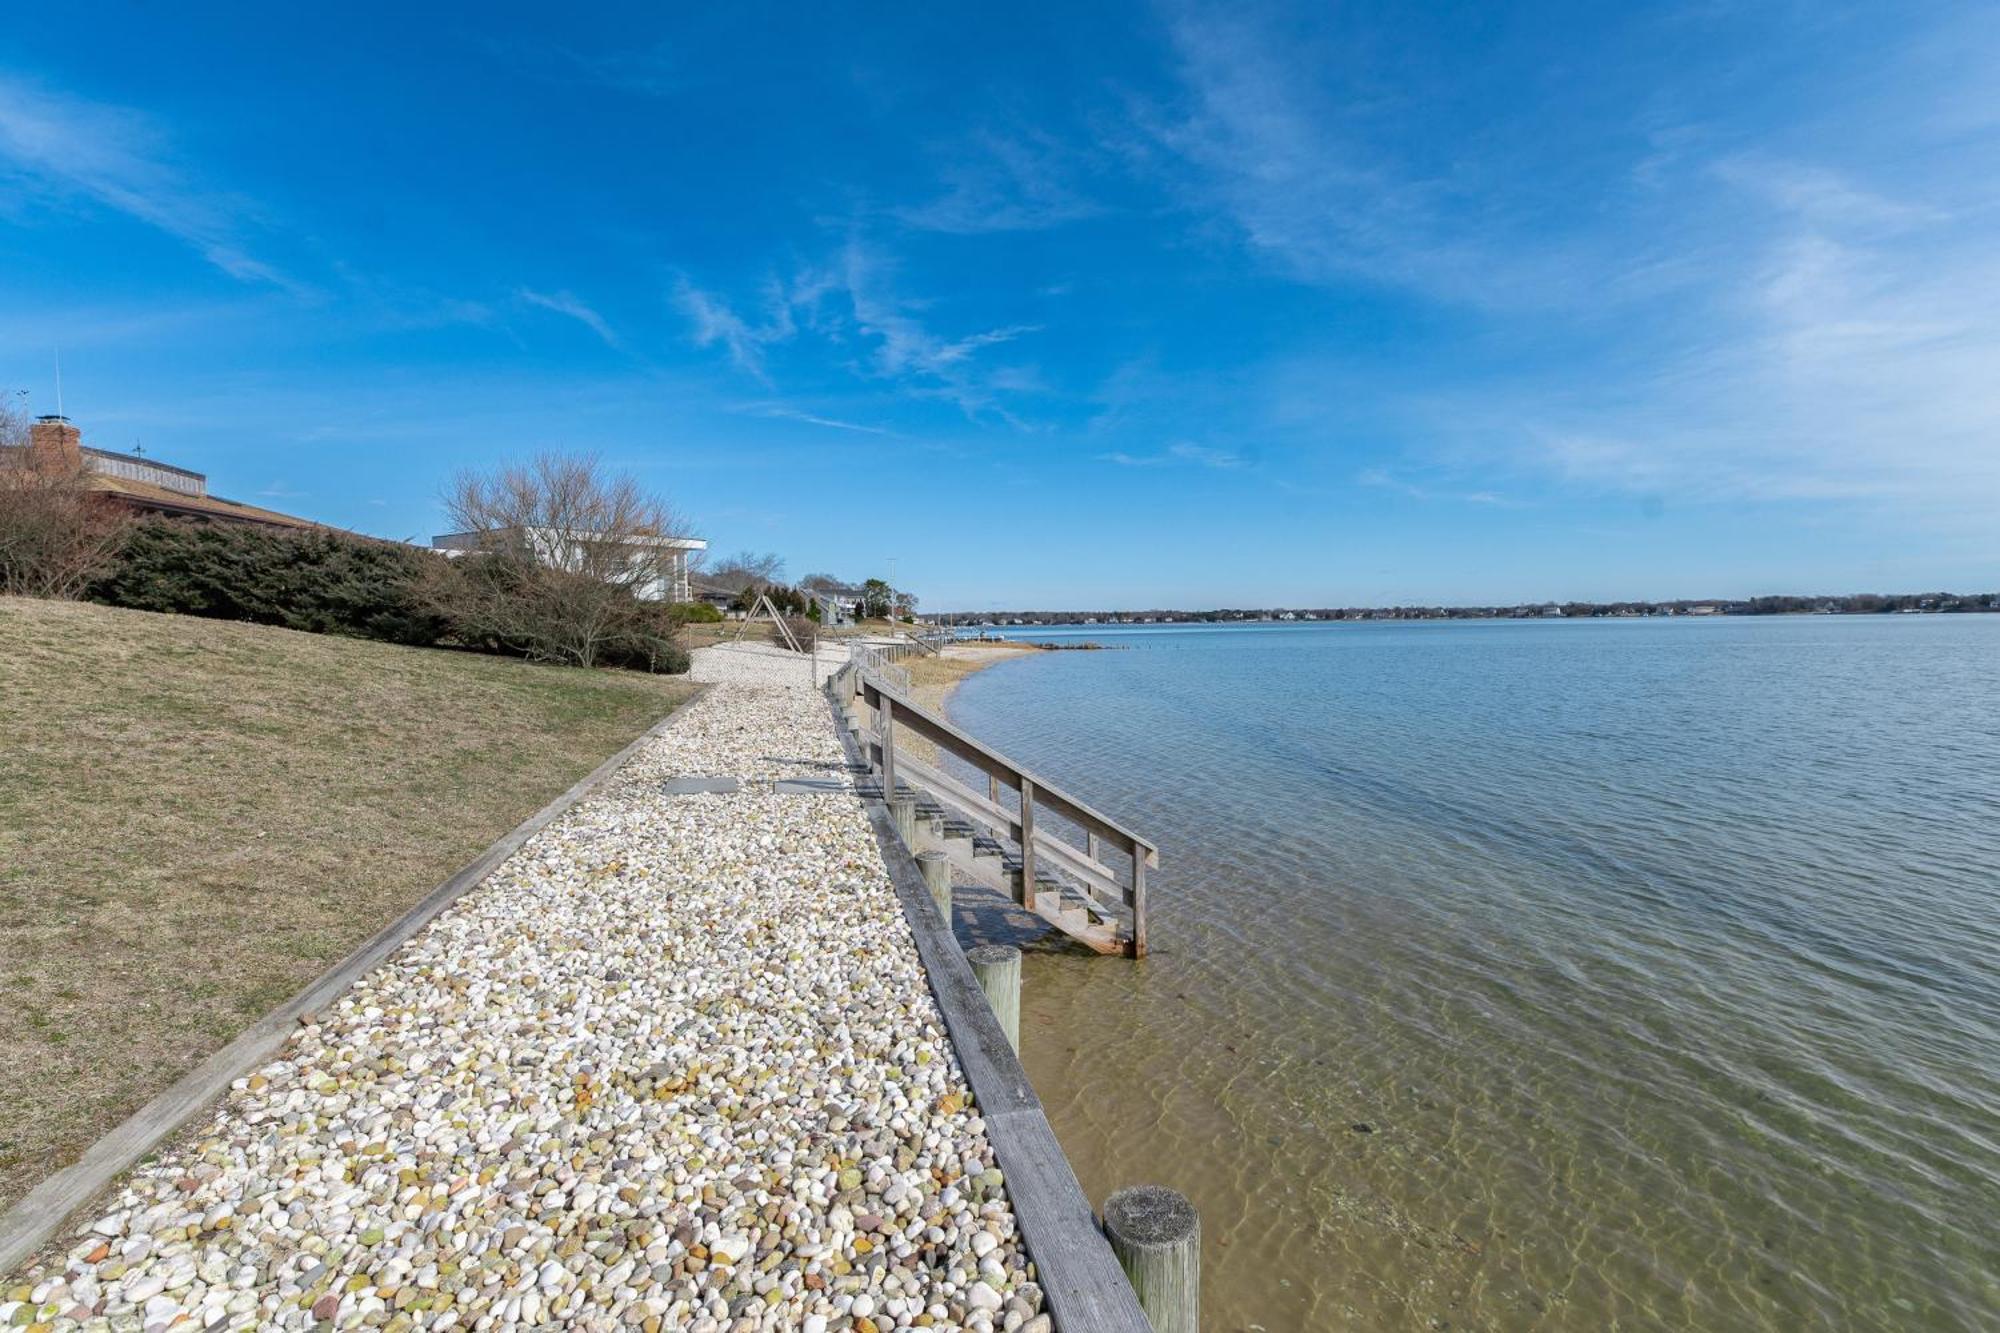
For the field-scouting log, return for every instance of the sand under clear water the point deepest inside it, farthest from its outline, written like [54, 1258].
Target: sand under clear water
[1606, 975]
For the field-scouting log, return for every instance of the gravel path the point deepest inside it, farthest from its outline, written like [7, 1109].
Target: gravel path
[673, 1066]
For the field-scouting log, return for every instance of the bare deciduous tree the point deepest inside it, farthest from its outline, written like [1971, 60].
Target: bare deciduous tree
[56, 536]
[566, 511]
[745, 569]
[566, 555]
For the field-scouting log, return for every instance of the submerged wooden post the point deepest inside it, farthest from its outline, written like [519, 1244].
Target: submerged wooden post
[903, 809]
[1156, 1234]
[937, 878]
[997, 967]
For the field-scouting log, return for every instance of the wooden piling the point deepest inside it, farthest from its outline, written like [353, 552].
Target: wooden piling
[903, 809]
[937, 878]
[997, 968]
[1156, 1234]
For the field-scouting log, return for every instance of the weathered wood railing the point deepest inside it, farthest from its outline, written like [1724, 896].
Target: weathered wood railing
[1067, 885]
[880, 660]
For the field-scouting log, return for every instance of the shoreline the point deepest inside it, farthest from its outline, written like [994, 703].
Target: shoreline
[933, 680]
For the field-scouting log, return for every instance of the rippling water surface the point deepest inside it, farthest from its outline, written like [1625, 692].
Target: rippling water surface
[1570, 975]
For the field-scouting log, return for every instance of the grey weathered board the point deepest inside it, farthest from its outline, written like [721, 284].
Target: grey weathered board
[1086, 1289]
[697, 786]
[810, 786]
[33, 1222]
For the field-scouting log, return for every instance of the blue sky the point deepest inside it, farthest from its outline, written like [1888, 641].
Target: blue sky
[1083, 306]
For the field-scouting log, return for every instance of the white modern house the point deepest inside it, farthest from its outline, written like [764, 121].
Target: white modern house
[658, 566]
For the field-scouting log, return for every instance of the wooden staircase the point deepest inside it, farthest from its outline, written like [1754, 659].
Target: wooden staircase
[988, 841]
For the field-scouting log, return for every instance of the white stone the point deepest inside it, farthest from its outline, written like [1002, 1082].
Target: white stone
[640, 1016]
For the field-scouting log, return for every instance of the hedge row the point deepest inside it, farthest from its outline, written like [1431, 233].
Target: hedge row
[327, 582]
[315, 580]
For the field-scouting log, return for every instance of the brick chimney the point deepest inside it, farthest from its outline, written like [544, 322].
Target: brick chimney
[55, 443]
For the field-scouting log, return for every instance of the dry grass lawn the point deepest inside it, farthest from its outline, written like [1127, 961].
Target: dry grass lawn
[199, 817]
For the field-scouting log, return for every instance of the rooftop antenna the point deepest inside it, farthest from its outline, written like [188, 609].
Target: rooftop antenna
[59, 403]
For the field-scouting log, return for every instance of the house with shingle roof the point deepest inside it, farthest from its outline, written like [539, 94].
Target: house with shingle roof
[133, 481]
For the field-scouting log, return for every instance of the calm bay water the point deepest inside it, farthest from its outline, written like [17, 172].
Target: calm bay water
[1567, 975]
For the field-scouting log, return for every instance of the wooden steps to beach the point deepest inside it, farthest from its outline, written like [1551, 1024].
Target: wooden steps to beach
[986, 841]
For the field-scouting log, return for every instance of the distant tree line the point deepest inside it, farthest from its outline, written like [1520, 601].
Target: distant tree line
[1867, 603]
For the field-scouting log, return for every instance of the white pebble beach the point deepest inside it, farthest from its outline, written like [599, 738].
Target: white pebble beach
[673, 1065]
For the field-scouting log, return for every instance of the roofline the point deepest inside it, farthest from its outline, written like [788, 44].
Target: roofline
[212, 506]
[673, 543]
[145, 461]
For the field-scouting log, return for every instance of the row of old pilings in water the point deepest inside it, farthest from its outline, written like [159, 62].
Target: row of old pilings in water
[1154, 1231]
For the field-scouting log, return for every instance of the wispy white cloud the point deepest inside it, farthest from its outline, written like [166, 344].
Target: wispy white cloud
[1005, 182]
[1741, 310]
[1292, 168]
[118, 159]
[564, 303]
[1855, 364]
[1181, 454]
[781, 412]
[852, 301]
[717, 323]
[1818, 196]
[1385, 479]
[905, 344]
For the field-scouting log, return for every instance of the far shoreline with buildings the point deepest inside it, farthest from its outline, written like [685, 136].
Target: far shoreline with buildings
[1851, 604]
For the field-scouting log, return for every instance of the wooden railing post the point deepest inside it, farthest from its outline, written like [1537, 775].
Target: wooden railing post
[1138, 899]
[997, 968]
[936, 868]
[1156, 1234]
[885, 723]
[1027, 844]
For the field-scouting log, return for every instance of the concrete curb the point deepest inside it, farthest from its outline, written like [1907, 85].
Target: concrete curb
[33, 1222]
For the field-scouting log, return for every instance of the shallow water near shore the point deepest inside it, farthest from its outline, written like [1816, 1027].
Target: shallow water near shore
[1568, 975]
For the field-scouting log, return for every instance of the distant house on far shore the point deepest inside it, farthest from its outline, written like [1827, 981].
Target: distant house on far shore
[135, 482]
